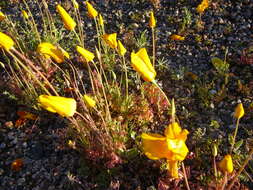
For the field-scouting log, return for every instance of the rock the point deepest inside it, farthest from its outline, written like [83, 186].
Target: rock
[1, 171]
[21, 181]
[2, 145]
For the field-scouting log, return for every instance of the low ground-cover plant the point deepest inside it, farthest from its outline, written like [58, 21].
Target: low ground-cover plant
[109, 106]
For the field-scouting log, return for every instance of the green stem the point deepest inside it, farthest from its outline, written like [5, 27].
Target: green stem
[234, 137]
[125, 67]
[98, 35]
[103, 88]
[79, 25]
[34, 26]
[153, 40]
[155, 83]
[215, 170]
[78, 38]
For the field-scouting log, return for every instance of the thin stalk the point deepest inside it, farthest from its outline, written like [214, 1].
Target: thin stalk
[79, 25]
[215, 171]
[241, 169]
[153, 42]
[105, 126]
[225, 181]
[173, 111]
[87, 120]
[52, 29]
[99, 74]
[155, 83]
[245, 172]
[75, 85]
[30, 72]
[14, 30]
[100, 79]
[79, 77]
[77, 36]
[101, 66]
[30, 63]
[42, 16]
[185, 177]
[234, 137]
[28, 87]
[98, 35]
[125, 67]
[91, 78]
[34, 26]
[106, 102]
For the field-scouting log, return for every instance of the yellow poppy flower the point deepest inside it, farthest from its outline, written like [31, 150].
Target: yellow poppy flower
[156, 146]
[177, 37]
[69, 23]
[6, 42]
[141, 63]
[87, 55]
[111, 40]
[92, 13]
[171, 146]
[173, 130]
[152, 21]
[239, 111]
[66, 107]
[2, 16]
[226, 164]
[89, 101]
[202, 6]
[121, 48]
[25, 14]
[51, 51]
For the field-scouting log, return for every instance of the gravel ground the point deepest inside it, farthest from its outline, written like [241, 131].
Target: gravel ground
[49, 165]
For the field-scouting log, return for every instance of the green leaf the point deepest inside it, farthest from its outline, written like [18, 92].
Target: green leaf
[214, 124]
[131, 153]
[221, 66]
[230, 139]
[238, 145]
[133, 134]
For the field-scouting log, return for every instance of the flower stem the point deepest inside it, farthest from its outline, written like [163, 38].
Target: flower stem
[225, 181]
[80, 28]
[215, 169]
[125, 67]
[98, 35]
[185, 177]
[77, 36]
[155, 83]
[153, 41]
[31, 73]
[234, 137]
